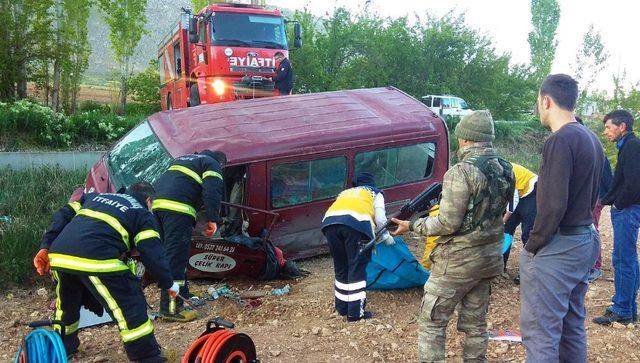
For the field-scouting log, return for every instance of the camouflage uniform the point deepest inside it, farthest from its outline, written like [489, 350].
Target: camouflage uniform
[465, 260]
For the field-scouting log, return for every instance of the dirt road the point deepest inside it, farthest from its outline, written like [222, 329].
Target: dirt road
[301, 326]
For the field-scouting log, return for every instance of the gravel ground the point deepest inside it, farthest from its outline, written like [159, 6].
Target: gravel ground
[302, 327]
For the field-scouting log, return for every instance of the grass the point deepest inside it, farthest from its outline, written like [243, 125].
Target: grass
[29, 199]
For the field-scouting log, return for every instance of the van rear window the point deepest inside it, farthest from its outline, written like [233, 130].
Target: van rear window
[398, 165]
[307, 181]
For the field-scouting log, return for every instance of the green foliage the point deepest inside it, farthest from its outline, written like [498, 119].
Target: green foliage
[425, 56]
[199, 5]
[126, 20]
[545, 16]
[41, 126]
[28, 200]
[145, 87]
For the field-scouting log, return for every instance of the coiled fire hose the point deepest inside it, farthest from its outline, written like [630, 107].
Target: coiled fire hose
[220, 344]
[42, 345]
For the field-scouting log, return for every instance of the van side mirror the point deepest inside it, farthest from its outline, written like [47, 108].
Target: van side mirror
[297, 35]
[193, 30]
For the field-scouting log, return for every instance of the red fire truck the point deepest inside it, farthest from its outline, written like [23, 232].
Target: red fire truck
[223, 53]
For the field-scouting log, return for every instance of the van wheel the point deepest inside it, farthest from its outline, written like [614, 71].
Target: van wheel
[169, 106]
[194, 96]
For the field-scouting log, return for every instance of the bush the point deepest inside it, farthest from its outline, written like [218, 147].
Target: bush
[27, 203]
[145, 88]
[88, 106]
[41, 126]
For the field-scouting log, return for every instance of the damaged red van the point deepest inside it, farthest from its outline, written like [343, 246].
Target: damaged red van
[288, 158]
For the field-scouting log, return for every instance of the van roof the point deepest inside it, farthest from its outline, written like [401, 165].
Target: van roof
[275, 127]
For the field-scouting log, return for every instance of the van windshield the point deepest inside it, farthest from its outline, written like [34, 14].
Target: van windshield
[463, 105]
[139, 156]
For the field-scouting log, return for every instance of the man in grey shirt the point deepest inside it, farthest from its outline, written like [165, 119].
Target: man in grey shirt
[563, 245]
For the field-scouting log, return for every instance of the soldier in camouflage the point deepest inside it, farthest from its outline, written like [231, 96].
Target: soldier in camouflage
[467, 256]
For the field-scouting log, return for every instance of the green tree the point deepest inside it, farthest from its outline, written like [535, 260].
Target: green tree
[145, 86]
[545, 16]
[76, 61]
[590, 61]
[126, 20]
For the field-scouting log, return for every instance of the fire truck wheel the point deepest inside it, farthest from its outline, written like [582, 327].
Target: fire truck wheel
[194, 96]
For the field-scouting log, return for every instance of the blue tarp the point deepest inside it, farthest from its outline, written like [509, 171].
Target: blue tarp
[394, 267]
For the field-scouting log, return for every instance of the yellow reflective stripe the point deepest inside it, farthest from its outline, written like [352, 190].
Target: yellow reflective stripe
[146, 234]
[85, 264]
[187, 171]
[130, 335]
[111, 302]
[173, 206]
[70, 329]
[58, 313]
[110, 220]
[76, 206]
[211, 173]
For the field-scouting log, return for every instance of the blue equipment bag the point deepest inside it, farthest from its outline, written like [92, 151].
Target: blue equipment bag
[394, 267]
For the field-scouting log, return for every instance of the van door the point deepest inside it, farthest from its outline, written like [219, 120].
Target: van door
[446, 106]
[301, 191]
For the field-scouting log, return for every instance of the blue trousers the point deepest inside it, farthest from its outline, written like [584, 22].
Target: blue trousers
[625, 260]
[553, 287]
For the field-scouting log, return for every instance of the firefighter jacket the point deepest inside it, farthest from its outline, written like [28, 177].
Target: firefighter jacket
[361, 208]
[190, 181]
[469, 228]
[92, 235]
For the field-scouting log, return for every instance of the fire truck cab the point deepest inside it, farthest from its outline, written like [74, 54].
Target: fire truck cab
[223, 53]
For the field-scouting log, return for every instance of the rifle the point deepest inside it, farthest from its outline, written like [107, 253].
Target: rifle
[422, 202]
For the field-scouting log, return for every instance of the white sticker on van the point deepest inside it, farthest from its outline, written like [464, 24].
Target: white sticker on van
[212, 262]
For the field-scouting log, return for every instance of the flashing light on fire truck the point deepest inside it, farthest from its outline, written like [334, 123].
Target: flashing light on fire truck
[218, 87]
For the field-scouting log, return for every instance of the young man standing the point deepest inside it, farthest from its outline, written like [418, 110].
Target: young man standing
[468, 253]
[624, 199]
[563, 245]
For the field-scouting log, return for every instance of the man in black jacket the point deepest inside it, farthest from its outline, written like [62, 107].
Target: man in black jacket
[624, 199]
[190, 181]
[284, 75]
[84, 246]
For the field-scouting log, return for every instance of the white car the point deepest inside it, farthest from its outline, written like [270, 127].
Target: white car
[447, 105]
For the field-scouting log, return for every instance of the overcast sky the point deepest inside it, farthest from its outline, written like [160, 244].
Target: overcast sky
[508, 22]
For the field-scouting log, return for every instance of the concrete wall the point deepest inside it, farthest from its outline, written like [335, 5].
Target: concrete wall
[69, 160]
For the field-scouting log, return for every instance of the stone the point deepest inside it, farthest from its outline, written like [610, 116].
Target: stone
[325, 332]
[315, 330]
[42, 292]
[376, 355]
[394, 346]
[275, 353]
[617, 325]
[502, 348]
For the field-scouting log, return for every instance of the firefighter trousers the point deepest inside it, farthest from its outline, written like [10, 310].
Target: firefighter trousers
[350, 269]
[175, 230]
[121, 296]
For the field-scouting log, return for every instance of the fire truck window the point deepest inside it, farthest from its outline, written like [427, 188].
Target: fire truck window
[161, 69]
[202, 32]
[400, 165]
[177, 60]
[307, 181]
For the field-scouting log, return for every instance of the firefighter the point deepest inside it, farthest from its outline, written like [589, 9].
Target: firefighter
[84, 248]
[190, 181]
[284, 75]
[351, 220]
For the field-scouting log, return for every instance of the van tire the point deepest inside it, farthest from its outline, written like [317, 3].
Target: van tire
[194, 96]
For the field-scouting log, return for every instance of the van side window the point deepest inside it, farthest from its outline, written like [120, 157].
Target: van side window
[436, 101]
[398, 165]
[307, 181]
[446, 102]
[463, 105]
[427, 100]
